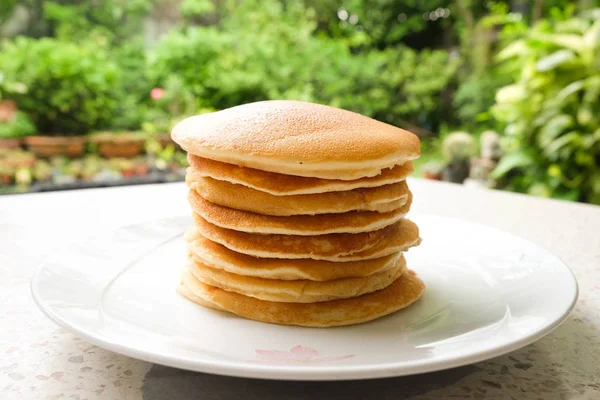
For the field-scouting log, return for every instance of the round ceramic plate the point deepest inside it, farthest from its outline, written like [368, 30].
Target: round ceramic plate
[488, 292]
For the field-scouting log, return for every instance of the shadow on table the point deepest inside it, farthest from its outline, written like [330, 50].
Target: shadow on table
[543, 362]
[169, 383]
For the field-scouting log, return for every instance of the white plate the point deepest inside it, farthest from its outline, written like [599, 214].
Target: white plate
[488, 293]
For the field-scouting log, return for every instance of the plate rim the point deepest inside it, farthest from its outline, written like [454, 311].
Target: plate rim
[304, 373]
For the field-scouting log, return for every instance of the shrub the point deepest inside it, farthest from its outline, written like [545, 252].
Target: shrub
[253, 59]
[134, 91]
[552, 112]
[70, 88]
[19, 126]
[114, 21]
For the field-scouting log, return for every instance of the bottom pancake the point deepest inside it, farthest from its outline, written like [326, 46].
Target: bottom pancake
[403, 292]
[301, 291]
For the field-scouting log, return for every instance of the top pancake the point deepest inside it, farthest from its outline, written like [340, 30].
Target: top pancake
[297, 138]
[285, 185]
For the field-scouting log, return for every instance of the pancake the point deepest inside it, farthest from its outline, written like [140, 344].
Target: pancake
[285, 185]
[350, 222]
[218, 256]
[297, 138]
[400, 294]
[291, 246]
[403, 237]
[331, 247]
[302, 291]
[382, 199]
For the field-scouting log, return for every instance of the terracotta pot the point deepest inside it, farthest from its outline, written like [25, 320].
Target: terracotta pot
[456, 172]
[48, 146]
[141, 170]
[6, 179]
[22, 162]
[10, 143]
[122, 149]
[115, 146]
[432, 176]
[127, 173]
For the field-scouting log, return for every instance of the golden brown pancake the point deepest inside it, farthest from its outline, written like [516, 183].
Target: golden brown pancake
[302, 291]
[218, 256]
[382, 199]
[350, 222]
[297, 138]
[404, 236]
[285, 185]
[332, 247]
[328, 246]
[400, 294]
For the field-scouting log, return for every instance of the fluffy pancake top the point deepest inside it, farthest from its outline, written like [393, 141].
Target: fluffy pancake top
[297, 138]
[285, 185]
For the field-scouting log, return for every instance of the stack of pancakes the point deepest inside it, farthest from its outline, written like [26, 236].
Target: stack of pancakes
[299, 214]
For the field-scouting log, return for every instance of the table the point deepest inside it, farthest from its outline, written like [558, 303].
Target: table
[40, 360]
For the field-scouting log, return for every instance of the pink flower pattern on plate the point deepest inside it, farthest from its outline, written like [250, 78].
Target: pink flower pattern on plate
[296, 355]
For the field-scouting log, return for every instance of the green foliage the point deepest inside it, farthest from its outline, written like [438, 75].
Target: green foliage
[108, 20]
[172, 103]
[242, 63]
[552, 112]
[68, 88]
[475, 96]
[21, 125]
[196, 8]
[117, 26]
[7, 8]
[381, 23]
[481, 75]
[131, 60]
[428, 63]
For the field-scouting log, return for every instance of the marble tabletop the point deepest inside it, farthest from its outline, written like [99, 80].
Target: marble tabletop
[39, 360]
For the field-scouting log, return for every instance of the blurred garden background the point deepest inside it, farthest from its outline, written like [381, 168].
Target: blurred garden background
[503, 94]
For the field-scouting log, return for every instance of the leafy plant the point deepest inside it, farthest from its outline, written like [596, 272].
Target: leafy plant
[553, 111]
[249, 58]
[112, 21]
[68, 88]
[480, 75]
[386, 23]
[131, 60]
[21, 125]
[7, 8]
[168, 104]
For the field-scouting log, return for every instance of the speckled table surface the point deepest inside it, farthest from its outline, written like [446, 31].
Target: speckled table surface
[39, 360]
